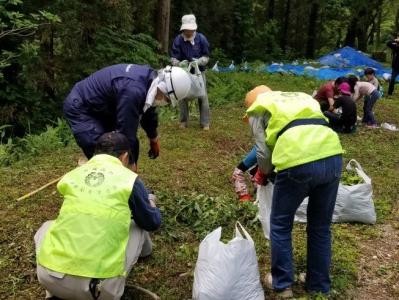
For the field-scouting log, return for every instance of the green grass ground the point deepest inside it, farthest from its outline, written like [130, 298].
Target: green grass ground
[191, 179]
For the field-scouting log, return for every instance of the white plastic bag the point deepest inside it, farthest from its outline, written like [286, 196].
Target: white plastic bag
[354, 202]
[227, 271]
[198, 88]
[264, 195]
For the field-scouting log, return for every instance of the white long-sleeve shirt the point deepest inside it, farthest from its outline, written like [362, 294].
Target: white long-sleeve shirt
[363, 88]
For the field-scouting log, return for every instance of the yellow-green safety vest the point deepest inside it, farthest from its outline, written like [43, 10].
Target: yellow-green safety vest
[90, 235]
[300, 144]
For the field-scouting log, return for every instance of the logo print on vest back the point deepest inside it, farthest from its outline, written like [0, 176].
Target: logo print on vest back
[94, 179]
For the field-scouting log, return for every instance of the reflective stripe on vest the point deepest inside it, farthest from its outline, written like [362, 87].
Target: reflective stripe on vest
[301, 144]
[90, 235]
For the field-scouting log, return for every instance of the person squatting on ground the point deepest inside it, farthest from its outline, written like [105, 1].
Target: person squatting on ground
[371, 95]
[292, 137]
[394, 46]
[190, 46]
[344, 122]
[120, 97]
[325, 96]
[102, 227]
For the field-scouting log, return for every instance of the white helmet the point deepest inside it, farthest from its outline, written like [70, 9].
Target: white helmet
[178, 83]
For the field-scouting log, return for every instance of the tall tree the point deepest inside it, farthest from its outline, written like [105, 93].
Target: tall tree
[286, 23]
[313, 17]
[163, 22]
[270, 10]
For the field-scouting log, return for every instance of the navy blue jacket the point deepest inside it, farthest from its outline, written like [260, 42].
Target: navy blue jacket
[144, 215]
[395, 54]
[114, 98]
[184, 50]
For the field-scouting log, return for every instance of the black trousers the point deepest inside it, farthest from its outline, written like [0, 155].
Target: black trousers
[395, 73]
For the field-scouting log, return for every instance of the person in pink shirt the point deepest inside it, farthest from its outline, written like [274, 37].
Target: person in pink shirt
[370, 93]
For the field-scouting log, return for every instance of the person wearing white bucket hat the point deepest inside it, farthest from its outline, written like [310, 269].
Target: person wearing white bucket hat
[192, 46]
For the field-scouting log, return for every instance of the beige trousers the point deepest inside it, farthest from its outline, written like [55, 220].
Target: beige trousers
[66, 286]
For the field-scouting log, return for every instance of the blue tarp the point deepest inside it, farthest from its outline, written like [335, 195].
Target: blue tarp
[322, 73]
[348, 57]
[342, 62]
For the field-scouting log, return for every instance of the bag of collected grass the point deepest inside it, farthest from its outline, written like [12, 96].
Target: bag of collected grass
[198, 87]
[227, 271]
[264, 195]
[354, 199]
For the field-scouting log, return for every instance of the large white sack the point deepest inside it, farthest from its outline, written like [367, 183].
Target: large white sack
[354, 202]
[227, 271]
[264, 194]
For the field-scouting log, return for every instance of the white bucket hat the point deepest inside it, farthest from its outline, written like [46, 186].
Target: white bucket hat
[188, 22]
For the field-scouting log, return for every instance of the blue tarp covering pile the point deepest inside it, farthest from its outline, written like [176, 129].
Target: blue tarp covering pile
[348, 57]
[338, 63]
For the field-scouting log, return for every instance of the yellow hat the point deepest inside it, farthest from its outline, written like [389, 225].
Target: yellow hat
[253, 94]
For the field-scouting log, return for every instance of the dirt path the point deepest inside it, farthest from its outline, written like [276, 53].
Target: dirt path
[378, 276]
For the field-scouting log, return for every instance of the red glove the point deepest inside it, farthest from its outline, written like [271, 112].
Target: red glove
[154, 148]
[260, 178]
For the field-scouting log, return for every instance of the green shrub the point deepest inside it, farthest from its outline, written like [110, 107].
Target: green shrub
[53, 138]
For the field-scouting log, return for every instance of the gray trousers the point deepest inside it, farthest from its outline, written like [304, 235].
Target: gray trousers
[66, 286]
[203, 106]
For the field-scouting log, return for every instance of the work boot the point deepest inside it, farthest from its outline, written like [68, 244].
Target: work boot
[283, 294]
[240, 185]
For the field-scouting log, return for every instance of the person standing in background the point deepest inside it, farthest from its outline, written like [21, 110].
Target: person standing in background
[394, 45]
[187, 47]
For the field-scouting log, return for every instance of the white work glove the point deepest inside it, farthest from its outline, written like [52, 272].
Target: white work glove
[203, 61]
[174, 61]
[152, 199]
[183, 64]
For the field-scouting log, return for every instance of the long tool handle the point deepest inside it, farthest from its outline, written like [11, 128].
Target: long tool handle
[39, 189]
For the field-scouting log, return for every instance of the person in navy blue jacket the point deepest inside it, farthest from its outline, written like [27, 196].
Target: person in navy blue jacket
[394, 45]
[190, 46]
[119, 98]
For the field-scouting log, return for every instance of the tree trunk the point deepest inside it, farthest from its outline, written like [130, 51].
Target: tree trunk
[378, 29]
[285, 26]
[47, 46]
[310, 44]
[339, 38]
[270, 10]
[351, 32]
[163, 24]
[397, 22]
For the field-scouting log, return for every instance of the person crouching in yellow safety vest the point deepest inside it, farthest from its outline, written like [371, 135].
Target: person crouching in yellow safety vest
[293, 138]
[88, 251]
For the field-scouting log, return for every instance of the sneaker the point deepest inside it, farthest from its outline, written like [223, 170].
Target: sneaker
[372, 126]
[302, 278]
[240, 186]
[206, 127]
[183, 125]
[283, 294]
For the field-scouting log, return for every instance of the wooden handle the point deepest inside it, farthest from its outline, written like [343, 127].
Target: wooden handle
[39, 189]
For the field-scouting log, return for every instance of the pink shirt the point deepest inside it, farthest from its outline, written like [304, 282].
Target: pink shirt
[363, 88]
